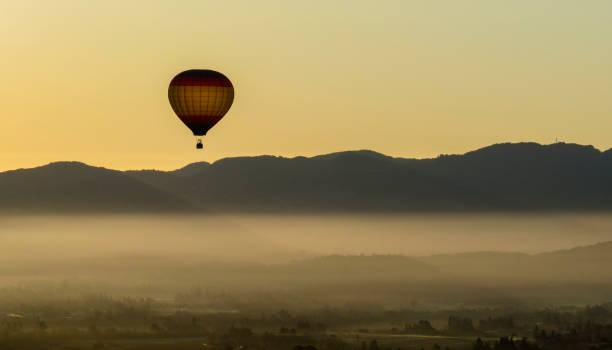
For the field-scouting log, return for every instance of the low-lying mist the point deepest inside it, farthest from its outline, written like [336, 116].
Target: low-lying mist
[272, 239]
[333, 259]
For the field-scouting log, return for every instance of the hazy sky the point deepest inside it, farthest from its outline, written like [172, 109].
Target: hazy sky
[87, 80]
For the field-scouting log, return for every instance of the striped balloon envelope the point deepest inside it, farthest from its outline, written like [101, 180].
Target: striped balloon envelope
[200, 98]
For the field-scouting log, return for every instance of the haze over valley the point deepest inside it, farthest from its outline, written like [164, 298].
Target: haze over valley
[305, 175]
[500, 217]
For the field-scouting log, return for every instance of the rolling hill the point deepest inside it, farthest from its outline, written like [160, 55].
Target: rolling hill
[501, 177]
[588, 264]
[75, 187]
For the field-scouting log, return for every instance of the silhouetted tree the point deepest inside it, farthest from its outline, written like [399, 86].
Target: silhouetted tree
[480, 345]
[505, 343]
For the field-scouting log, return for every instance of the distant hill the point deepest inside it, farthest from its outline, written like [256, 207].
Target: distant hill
[589, 264]
[502, 177]
[579, 275]
[75, 187]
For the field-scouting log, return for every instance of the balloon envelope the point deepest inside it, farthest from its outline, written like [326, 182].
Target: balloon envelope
[200, 98]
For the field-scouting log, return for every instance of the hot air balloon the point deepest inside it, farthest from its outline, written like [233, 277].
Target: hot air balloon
[200, 98]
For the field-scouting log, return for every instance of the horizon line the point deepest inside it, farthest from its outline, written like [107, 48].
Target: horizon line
[309, 157]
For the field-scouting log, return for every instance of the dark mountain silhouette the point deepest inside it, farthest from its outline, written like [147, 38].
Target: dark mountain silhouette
[532, 176]
[191, 169]
[76, 187]
[521, 176]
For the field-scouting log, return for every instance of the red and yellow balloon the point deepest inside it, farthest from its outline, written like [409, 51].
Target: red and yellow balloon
[200, 98]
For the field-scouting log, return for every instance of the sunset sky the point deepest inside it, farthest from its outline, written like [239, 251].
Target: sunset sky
[87, 80]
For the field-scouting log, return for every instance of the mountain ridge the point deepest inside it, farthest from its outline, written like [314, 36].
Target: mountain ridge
[502, 177]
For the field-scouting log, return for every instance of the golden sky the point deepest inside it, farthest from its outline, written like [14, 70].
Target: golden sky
[87, 80]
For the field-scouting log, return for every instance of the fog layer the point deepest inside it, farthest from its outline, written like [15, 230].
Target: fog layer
[313, 260]
[272, 238]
